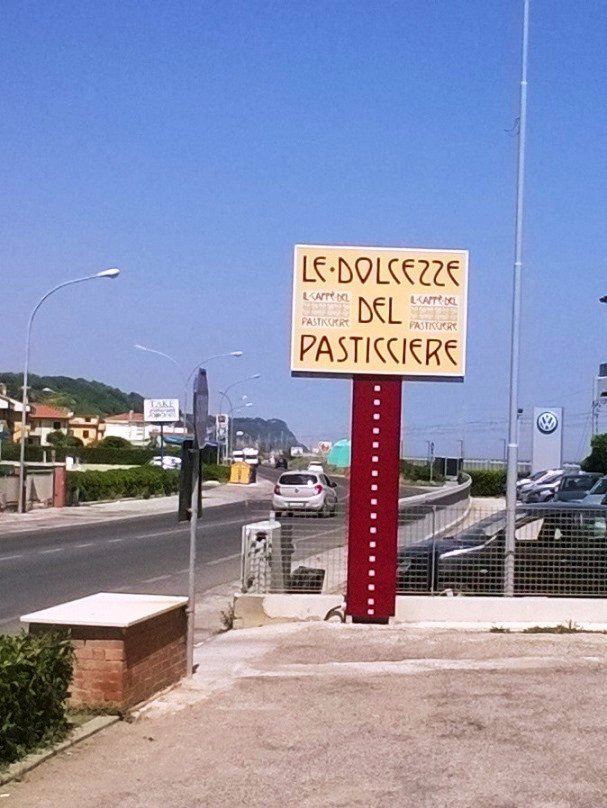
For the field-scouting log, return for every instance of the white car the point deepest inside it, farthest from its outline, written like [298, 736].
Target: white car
[166, 462]
[304, 491]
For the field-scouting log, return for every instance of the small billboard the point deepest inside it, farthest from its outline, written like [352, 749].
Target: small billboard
[161, 410]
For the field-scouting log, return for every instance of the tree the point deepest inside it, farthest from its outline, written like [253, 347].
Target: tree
[115, 442]
[597, 459]
[60, 440]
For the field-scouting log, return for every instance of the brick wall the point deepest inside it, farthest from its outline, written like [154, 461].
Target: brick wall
[118, 668]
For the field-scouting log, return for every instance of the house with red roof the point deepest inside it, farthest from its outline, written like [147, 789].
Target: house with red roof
[43, 420]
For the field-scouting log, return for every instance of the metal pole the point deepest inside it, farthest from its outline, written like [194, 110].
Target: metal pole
[192, 564]
[161, 445]
[512, 463]
[24, 399]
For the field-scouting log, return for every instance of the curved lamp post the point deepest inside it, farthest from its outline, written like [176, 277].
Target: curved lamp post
[106, 273]
[178, 366]
[224, 394]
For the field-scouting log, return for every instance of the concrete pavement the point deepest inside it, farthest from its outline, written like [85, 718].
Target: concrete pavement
[327, 715]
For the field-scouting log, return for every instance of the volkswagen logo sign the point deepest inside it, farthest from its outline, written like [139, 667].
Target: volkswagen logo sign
[547, 422]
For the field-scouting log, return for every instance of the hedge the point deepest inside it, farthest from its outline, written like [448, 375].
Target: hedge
[487, 483]
[143, 481]
[413, 472]
[86, 454]
[35, 676]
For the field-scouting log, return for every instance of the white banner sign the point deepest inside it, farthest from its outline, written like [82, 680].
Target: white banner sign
[161, 410]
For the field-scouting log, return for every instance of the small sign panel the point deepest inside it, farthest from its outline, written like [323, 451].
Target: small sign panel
[161, 410]
[379, 311]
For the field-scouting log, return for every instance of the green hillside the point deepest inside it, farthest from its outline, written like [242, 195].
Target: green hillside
[82, 396]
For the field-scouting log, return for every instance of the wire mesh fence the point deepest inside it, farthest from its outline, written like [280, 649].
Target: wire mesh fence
[560, 550]
[299, 552]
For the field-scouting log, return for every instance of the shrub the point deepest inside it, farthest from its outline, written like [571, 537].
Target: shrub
[114, 442]
[214, 472]
[597, 459]
[413, 472]
[487, 483]
[35, 676]
[145, 481]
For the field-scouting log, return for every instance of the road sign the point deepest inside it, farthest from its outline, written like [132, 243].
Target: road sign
[161, 410]
[201, 406]
[379, 311]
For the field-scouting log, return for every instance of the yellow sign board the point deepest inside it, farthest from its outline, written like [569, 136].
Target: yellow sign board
[379, 311]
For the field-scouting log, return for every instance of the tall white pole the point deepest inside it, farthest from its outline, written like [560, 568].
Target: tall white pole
[512, 462]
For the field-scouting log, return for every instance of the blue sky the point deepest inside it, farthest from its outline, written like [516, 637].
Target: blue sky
[192, 144]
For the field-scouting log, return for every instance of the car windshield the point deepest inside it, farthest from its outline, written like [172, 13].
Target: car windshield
[298, 479]
[600, 487]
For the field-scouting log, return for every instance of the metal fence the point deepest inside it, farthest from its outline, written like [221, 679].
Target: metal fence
[561, 550]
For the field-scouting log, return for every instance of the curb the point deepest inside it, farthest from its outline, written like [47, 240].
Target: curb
[16, 770]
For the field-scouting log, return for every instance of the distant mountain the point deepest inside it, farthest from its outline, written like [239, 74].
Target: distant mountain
[267, 435]
[81, 396]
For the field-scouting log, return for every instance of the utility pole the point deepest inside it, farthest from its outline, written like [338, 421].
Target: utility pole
[513, 439]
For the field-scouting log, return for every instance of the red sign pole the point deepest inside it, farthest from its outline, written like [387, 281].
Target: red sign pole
[373, 510]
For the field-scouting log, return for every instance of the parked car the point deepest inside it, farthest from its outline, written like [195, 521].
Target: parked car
[573, 487]
[567, 488]
[305, 491]
[281, 463]
[597, 494]
[530, 492]
[316, 467]
[166, 462]
[561, 549]
[531, 479]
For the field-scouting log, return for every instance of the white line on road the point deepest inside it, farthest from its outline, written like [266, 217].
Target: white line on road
[10, 558]
[85, 544]
[221, 560]
[52, 550]
[114, 541]
[157, 578]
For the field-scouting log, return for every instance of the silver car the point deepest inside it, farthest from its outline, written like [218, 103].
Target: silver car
[305, 491]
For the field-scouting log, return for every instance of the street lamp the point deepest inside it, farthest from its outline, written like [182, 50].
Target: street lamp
[178, 366]
[224, 394]
[106, 273]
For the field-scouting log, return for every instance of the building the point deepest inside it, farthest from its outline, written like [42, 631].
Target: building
[10, 416]
[130, 426]
[87, 428]
[42, 421]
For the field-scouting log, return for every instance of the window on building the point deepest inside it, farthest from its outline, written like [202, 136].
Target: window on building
[85, 433]
[56, 424]
[87, 420]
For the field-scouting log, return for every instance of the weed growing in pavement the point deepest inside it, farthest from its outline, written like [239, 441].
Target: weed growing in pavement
[227, 618]
[499, 630]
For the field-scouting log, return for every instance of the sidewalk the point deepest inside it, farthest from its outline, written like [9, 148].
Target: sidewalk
[212, 496]
[328, 715]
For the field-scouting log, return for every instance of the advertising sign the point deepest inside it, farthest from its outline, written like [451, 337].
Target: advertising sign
[161, 410]
[221, 426]
[201, 406]
[379, 311]
[547, 443]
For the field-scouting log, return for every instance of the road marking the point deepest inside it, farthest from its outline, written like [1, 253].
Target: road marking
[10, 558]
[52, 550]
[114, 541]
[221, 560]
[86, 544]
[157, 578]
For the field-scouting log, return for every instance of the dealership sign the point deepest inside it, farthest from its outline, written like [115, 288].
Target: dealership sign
[161, 410]
[379, 311]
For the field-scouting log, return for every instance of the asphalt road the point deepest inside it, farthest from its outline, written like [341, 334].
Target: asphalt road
[41, 568]
[149, 555]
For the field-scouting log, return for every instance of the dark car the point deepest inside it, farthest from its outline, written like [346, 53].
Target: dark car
[574, 487]
[560, 550]
[281, 463]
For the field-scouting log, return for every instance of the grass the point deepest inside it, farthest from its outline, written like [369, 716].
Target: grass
[562, 628]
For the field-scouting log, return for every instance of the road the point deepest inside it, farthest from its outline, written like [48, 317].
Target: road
[40, 568]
